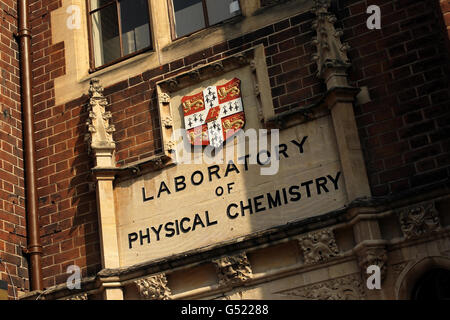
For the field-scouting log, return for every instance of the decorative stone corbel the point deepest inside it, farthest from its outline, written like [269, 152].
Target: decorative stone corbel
[373, 255]
[100, 136]
[172, 84]
[218, 66]
[233, 270]
[194, 75]
[419, 219]
[318, 246]
[154, 287]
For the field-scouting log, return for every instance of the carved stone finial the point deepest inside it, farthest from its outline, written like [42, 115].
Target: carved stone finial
[320, 6]
[233, 269]
[318, 246]
[100, 129]
[419, 219]
[154, 287]
[331, 53]
[95, 89]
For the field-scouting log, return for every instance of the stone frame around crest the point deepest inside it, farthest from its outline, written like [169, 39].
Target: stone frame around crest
[253, 57]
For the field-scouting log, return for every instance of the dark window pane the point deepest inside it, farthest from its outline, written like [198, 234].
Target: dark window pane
[135, 26]
[105, 32]
[98, 3]
[189, 16]
[220, 10]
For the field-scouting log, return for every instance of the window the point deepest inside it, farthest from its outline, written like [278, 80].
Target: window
[433, 285]
[189, 16]
[118, 29]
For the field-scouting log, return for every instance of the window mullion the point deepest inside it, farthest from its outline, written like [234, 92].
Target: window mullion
[120, 27]
[91, 43]
[205, 13]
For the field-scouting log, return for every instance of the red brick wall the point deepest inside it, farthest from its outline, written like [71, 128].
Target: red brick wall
[404, 130]
[67, 207]
[405, 65]
[12, 211]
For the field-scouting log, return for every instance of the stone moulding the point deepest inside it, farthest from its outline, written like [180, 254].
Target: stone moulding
[153, 287]
[205, 72]
[349, 287]
[318, 246]
[232, 270]
[419, 219]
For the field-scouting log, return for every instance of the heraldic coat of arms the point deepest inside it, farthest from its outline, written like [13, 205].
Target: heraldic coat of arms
[214, 115]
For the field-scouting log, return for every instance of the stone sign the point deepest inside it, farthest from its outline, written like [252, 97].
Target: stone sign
[189, 206]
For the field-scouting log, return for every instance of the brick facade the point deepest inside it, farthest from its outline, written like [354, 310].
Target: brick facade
[405, 65]
[66, 207]
[404, 129]
[12, 204]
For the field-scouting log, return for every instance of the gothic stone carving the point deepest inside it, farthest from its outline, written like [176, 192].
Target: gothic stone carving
[318, 246]
[167, 122]
[81, 296]
[164, 98]
[419, 219]
[154, 287]
[346, 288]
[373, 256]
[170, 146]
[233, 269]
[331, 53]
[99, 120]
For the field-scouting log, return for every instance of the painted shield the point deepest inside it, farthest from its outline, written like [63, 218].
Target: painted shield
[215, 114]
